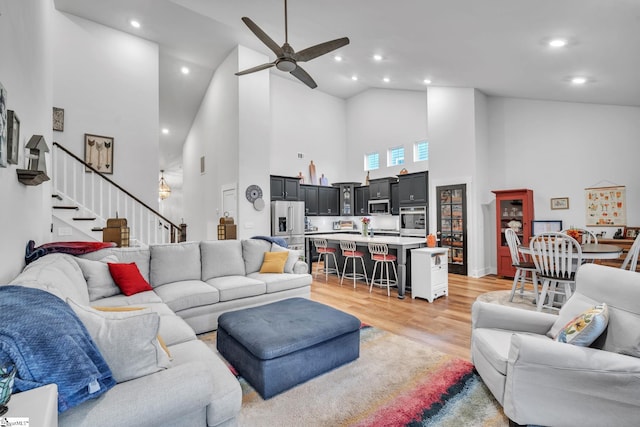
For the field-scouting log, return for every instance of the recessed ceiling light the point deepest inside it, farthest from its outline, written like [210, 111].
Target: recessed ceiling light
[427, 81]
[354, 78]
[165, 131]
[338, 58]
[184, 70]
[578, 80]
[557, 42]
[134, 23]
[377, 57]
[386, 79]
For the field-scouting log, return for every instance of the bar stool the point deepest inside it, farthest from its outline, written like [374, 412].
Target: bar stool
[323, 249]
[380, 254]
[349, 252]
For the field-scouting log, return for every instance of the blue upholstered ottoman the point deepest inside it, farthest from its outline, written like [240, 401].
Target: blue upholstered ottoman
[285, 343]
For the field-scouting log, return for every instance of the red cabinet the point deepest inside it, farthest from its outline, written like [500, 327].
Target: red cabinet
[514, 209]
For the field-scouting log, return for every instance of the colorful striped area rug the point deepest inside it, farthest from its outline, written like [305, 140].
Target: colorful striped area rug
[394, 382]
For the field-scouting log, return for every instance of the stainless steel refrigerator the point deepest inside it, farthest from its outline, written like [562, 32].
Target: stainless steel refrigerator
[287, 221]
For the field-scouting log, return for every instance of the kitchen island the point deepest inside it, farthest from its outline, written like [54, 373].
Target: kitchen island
[400, 244]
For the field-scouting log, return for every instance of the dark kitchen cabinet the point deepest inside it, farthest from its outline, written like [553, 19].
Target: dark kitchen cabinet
[362, 200]
[380, 189]
[414, 189]
[328, 201]
[452, 225]
[309, 194]
[285, 188]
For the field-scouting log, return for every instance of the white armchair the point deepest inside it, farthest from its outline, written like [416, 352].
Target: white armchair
[544, 382]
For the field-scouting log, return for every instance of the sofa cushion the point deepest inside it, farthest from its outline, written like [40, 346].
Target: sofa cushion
[187, 294]
[585, 328]
[293, 257]
[58, 274]
[236, 287]
[100, 284]
[127, 340]
[253, 253]
[147, 297]
[282, 282]
[274, 262]
[174, 262]
[135, 254]
[128, 278]
[221, 258]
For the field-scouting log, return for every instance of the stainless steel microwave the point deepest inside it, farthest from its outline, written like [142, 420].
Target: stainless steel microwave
[380, 207]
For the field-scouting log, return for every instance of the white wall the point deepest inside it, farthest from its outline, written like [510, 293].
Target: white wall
[379, 119]
[232, 132]
[107, 83]
[309, 122]
[558, 149]
[25, 73]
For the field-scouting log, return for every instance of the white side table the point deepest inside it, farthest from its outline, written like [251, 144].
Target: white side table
[429, 273]
[39, 405]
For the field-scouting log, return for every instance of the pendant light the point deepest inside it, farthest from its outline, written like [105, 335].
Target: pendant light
[164, 190]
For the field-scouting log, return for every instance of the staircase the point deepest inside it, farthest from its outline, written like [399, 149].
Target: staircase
[84, 198]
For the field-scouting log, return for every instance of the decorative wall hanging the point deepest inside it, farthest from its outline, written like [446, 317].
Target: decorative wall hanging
[58, 119]
[13, 137]
[560, 203]
[98, 153]
[606, 206]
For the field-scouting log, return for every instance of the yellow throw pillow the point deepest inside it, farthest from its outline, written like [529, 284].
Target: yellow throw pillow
[129, 308]
[274, 262]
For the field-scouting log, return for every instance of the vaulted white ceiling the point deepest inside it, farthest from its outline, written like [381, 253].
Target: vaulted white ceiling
[496, 46]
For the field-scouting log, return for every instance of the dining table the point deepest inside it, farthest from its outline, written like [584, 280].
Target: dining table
[590, 251]
[400, 244]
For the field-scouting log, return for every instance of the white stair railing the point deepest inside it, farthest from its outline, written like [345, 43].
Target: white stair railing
[98, 196]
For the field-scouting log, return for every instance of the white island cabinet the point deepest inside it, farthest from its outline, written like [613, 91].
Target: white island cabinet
[429, 273]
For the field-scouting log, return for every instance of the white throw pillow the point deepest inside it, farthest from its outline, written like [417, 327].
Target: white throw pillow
[100, 284]
[294, 256]
[127, 340]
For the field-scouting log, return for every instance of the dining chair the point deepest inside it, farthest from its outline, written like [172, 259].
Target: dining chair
[380, 254]
[350, 252]
[631, 260]
[588, 236]
[525, 270]
[324, 250]
[556, 256]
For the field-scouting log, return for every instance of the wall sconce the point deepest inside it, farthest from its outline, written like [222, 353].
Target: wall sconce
[163, 190]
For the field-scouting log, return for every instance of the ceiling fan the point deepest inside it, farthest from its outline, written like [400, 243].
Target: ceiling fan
[286, 58]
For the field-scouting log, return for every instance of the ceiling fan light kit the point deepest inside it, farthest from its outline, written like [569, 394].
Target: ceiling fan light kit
[286, 57]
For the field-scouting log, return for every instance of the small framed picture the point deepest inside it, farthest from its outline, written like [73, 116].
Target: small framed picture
[98, 153]
[58, 119]
[560, 203]
[13, 137]
[631, 232]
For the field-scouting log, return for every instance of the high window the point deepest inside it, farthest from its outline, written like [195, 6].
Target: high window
[371, 161]
[395, 156]
[420, 151]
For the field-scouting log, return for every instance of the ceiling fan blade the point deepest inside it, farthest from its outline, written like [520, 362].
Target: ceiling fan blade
[304, 77]
[263, 36]
[254, 69]
[320, 49]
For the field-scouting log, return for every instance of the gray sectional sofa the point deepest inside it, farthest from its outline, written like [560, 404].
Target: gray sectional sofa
[193, 284]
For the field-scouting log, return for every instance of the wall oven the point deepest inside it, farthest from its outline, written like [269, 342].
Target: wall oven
[380, 207]
[413, 221]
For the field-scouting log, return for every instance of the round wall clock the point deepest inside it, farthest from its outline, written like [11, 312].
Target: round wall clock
[253, 193]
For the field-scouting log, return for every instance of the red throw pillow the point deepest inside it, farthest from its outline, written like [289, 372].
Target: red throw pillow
[128, 278]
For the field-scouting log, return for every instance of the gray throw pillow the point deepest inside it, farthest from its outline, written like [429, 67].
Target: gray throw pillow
[127, 340]
[293, 257]
[100, 284]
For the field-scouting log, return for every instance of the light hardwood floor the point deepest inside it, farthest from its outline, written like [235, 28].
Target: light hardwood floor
[444, 324]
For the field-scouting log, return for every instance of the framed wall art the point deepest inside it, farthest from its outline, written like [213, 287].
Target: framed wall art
[560, 203]
[13, 137]
[3, 127]
[58, 119]
[98, 153]
[631, 232]
[606, 206]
